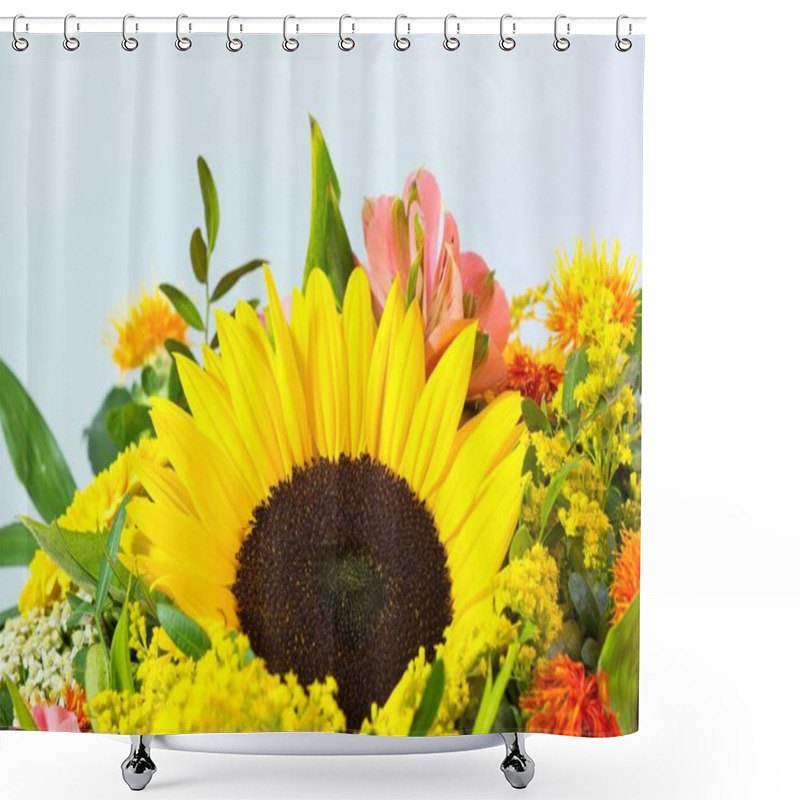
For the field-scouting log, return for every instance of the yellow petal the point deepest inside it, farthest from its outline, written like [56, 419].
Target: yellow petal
[359, 335]
[299, 328]
[435, 422]
[163, 486]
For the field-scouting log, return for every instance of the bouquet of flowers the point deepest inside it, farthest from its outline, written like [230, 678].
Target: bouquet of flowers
[368, 507]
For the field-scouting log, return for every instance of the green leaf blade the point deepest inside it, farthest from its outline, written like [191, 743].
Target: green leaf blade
[121, 673]
[35, 455]
[431, 699]
[553, 490]
[17, 545]
[112, 545]
[183, 305]
[21, 710]
[187, 635]
[210, 202]
[198, 254]
[230, 279]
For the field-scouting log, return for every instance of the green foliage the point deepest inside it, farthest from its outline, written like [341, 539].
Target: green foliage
[35, 455]
[187, 635]
[24, 716]
[535, 416]
[17, 546]
[183, 305]
[619, 660]
[198, 254]
[521, 543]
[126, 424]
[112, 546]
[328, 244]
[553, 491]
[102, 448]
[97, 671]
[121, 673]
[210, 202]
[431, 699]
[230, 279]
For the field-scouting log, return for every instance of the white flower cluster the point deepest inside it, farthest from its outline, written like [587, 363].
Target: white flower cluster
[36, 651]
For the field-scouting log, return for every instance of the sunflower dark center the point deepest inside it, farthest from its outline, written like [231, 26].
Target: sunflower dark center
[343, 574]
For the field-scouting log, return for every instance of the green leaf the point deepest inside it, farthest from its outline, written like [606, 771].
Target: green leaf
[121, 672]
[619, 660]
[531, 463]
[23, 714]
[98, 671]
[79, 554]
[553, 490]
[173, 346]
[151, 381]
[199, 256]
[575, 373]
[37, 459]
[7, 614]
[490, 704]
[520, 544]
[112, 546]
[328, 244]
[210, 202]
[6, 707]
[17, 546]
[230, 279]
[535, 418]
[183, 305]
[187, 635]
[102, 448]
[590, 652]
[635, 347]
[584, 602]
[431, 699]
[79, 666]
[126, 424]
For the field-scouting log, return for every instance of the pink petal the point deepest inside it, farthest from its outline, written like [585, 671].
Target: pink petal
[55, 718]
[447, 300]
[493, 309]
[386, 249]
[428, 205]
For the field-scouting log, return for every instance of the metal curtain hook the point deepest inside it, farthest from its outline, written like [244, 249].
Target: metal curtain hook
[70, 42]
[451, 42]
[561, 43]
[345, 42]
[289, 44]
[17, 42]
[233, 44]
[401, 42]
[128, 42]
[623, 45]
[507, 42]
[182, 42]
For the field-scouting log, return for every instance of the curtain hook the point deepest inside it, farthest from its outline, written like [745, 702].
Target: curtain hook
[507, 42]
[182, 42]
[18, 42]
[128, 42]
[451, 42]
[401, 42]
[233, 44]
[289, 44]
[346, 42]
[623, 45]
[561, 43]
[71, 43]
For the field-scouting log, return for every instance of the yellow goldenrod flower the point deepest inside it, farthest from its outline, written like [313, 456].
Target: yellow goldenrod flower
[322, 498]
[523, 306]
[47, 584]
[141, 333]
[226, 690]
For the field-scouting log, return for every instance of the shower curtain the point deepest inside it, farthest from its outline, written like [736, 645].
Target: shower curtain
[320, 385]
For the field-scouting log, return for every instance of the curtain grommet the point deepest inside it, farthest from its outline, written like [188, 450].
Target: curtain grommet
[623, 44]
[129, 43]
[290, 44]
[183, 43]
[561, 43]
[19, 43]
[401, 43]
[71, 43]
[451, 43]
[233, 44]
[507, 43]
[346, 43]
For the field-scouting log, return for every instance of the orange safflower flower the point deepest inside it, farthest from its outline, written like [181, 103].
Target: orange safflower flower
[625, 584]
[75, 701]
[564, 699]
[534, 375]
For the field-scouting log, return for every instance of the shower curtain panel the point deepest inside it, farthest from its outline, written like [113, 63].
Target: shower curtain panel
[321, 385]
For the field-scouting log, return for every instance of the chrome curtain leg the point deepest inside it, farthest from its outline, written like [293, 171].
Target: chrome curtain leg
[517, 766]
[138, 768]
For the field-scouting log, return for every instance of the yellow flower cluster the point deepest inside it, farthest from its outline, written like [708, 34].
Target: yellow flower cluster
[523, 306]
[528, 588]
[46, 585]
[227, 690]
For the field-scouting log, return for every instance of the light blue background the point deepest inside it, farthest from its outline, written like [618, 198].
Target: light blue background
[99, 194]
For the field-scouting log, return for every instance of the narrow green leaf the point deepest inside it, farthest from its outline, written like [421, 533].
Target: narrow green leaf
[79, 554]
[7, 614]
[79, 666]
[431, 699]
[535, 418]
[17, 546]
[198, 255]
[23, 714]
[187, 635]
[37, 459]
[151, 381]
[553, 490]
[619, 660]
[585, 603]
[101, 447]
[531, 464]
[6, 707]
[121, 672]
[97, 671]
[590, 652]
[210, 202]
[127, 423]
[328, 243]
[521, 543]
[183, 305]
[173, 346]
[488, 711]
[230, 279]
[575, 372]
[112, 545]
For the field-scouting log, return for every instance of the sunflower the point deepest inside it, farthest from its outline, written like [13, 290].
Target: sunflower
[592, 276]
[142, 332]
[322, 498]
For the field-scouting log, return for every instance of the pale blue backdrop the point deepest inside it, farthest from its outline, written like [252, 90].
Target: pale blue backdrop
[98, 186]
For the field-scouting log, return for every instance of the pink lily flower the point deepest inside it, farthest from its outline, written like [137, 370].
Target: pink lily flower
[55, 718]
[401, 235]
